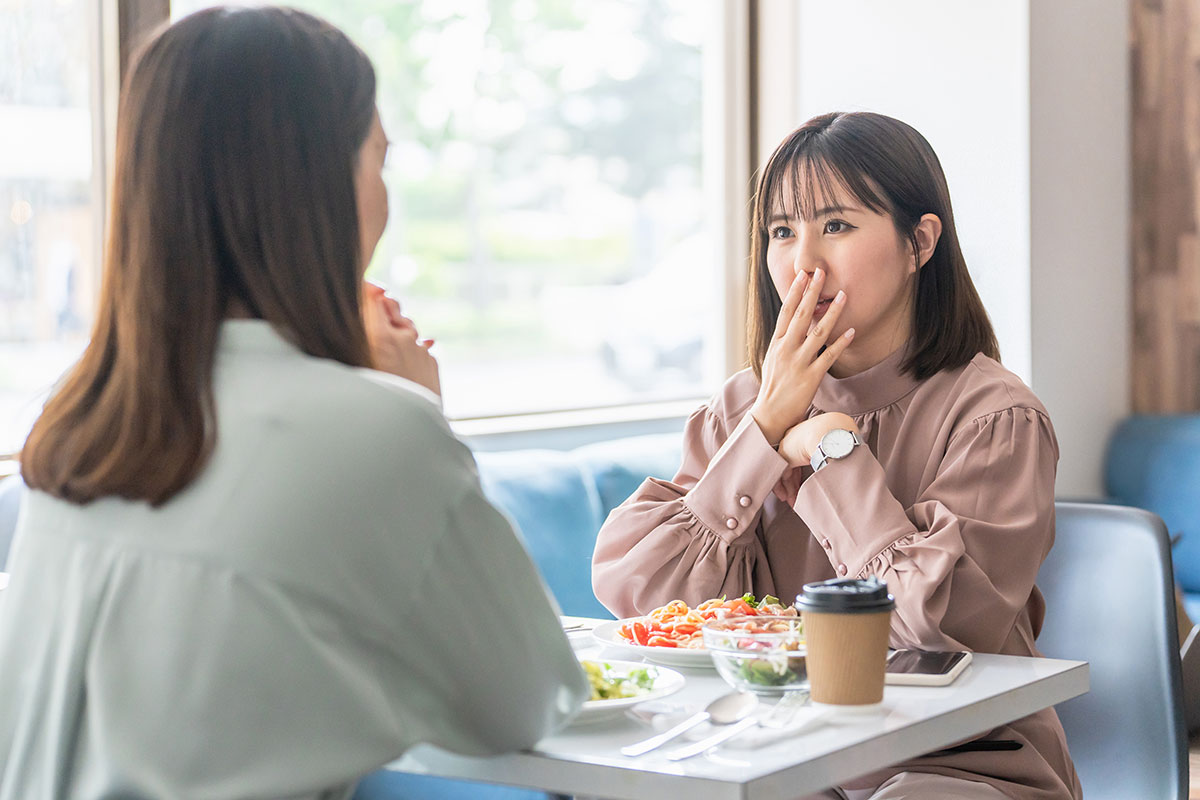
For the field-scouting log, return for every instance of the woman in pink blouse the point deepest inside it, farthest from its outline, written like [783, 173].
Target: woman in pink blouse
[875, 433]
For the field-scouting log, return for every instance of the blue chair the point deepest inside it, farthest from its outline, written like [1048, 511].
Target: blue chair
[1110, 601]
[1153, 462]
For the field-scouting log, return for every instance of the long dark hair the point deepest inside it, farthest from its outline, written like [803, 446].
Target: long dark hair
[890, 168]
[237, 136]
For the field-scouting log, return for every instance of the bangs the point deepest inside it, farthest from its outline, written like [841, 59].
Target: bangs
[806, 180]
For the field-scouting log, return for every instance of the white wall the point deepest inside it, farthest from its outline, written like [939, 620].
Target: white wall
[958, 73]
[1080, 165]
[1027, 110]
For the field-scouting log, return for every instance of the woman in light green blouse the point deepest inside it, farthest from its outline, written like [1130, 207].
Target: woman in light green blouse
[255, 561]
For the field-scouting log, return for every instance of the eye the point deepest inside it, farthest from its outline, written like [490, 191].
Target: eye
[837, 226]
[781, 232]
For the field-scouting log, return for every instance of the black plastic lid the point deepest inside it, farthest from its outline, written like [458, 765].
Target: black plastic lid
[846, 596]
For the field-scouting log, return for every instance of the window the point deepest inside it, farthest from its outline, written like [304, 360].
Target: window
[548, 222]
[559, 184]
[49, 201]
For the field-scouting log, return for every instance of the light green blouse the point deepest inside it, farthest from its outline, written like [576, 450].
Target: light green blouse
[331, 590]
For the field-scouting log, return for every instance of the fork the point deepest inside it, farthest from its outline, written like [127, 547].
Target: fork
[778, 717]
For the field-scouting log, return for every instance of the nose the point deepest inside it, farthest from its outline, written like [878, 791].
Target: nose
[809, 254]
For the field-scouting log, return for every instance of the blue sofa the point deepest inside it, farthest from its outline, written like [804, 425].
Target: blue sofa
[1153, 462]
[558, 499]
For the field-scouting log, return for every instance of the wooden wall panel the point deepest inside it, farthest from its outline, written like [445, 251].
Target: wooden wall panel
[1165, 62]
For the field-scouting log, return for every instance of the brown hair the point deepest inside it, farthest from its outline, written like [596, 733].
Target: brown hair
[890, 168]
[237, 136]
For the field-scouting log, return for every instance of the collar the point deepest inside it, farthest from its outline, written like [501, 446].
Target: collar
[252, 336]
[869, 390]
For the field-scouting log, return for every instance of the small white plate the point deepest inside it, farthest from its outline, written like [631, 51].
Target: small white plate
[666, 681]
[607, 634]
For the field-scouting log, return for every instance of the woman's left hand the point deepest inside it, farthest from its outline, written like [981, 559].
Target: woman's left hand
[393, 340]
[800, 441]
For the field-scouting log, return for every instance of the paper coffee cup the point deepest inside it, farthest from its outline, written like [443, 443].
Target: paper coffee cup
[846, 627]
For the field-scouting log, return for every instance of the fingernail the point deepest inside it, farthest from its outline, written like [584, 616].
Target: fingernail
[849, 334]
[818, 273]
[839, 297]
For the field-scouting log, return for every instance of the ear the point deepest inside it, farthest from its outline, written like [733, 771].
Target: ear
[928, 231]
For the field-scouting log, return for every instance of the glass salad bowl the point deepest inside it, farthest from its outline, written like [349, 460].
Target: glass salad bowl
[760, 654]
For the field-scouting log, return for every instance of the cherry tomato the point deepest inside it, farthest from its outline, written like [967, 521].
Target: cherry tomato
[740, 606]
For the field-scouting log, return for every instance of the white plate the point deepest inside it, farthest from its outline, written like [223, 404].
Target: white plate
[666, 681]
[606, 633]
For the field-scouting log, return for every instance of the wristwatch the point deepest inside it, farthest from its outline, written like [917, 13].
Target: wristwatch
[837, 443]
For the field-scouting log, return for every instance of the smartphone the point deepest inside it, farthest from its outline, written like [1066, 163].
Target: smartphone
[925, 668]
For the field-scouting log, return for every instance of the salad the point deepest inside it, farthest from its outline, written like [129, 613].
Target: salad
[773, 670]
[758, 651]
[608, 685]
[677, 625]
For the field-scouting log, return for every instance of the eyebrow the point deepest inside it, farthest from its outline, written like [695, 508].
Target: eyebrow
[820, 212]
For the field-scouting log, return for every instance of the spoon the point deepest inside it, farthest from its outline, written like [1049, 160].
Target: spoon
[725, 709]
[779, 717]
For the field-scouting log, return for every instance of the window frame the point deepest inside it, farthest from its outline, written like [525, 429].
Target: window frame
[116, 28]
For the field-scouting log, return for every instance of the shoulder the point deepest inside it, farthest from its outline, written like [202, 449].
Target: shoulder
[341, 413]
[383, 411]
[365, 397]
[991, 386]
[713, 421]
[982, 390]
[396, 393]
[735, 397]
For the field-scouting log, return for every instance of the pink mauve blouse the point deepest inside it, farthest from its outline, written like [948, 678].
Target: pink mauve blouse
[951, 502]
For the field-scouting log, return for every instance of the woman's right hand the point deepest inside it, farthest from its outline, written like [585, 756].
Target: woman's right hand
[393, 340]
[795, 364]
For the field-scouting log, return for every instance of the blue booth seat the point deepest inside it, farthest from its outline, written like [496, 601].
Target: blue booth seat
[558, 499]
[1153, 462]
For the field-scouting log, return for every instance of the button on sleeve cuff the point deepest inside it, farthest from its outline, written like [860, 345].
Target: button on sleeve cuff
[728, 498]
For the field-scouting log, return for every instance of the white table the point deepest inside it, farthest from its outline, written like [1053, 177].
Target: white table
[584, 759]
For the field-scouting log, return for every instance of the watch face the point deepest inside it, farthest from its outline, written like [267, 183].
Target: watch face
[837, 443]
